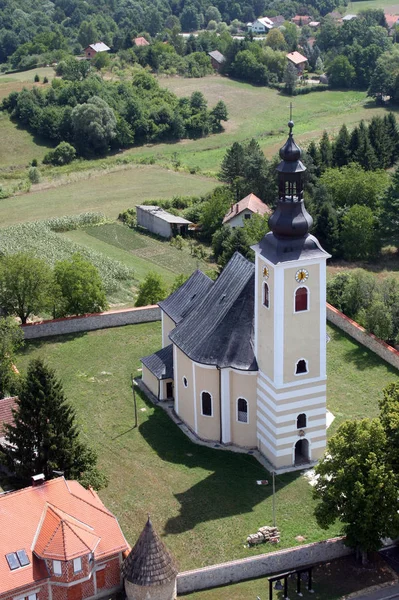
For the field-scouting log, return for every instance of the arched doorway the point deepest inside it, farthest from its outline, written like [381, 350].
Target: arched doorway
[301, 452]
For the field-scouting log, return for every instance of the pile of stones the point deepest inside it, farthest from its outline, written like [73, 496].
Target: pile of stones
[264, 534]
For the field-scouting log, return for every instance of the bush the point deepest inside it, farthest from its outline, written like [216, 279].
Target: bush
[45, 80]
[36, 78]
[63, 154]
[34, 175]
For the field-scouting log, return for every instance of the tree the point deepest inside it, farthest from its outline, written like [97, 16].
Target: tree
[214, 209]
[389, 217]
[25, 284]
[354, 479]
[218, 114]
[359, 234]
[351, 185]
[189, 19]
[232, 163]
[45, 437]
[378, 320]
[151, 290]
[80, 286]
[325, 151]
[212, 14]
[340, 72]
[290, 77]
[326, 228]
[389, 416]
[236, 242]
[94, 126]
[341, 153]
[101, 60]
[63, 154]
[178, 282]
[11, 338]
[275, 40]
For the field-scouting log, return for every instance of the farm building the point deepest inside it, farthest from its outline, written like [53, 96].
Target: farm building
[217, 59]
[58, 540]
[244, 357]
[244, 209]
[93, 49]
[161, 222]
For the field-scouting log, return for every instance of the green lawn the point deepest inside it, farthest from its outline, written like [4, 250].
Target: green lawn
[391, 7]
[141, 252]
[18, 146]
[108, 192]
[190, 491]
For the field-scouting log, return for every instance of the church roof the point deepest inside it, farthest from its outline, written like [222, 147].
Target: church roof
[179, 304]
[149, 562]
[220, 331]
[285, 250]
[160, 363]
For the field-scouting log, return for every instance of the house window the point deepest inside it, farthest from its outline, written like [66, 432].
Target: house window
[57, 568]
[266, 295]
[32, 597]
[242, 410]
[185, 382]
[301, 421]
[77, 565]
[247, 216]
[301, 367]
[301, 299]
[206, 404]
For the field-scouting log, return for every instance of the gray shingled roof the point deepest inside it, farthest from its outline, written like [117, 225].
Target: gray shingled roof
[218, 56]
[284, 250]
[160, 363]
[179, 304]
[220, 331]
[149, 563]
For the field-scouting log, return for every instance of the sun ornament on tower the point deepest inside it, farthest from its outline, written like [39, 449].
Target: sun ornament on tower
[290, 325]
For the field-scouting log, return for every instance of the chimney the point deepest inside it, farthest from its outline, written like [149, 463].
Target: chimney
[237, 207]
[38, 480]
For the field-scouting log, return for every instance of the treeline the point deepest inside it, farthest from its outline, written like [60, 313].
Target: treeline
[94, 115]
[373, 304]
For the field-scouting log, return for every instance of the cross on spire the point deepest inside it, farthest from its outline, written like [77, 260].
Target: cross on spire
[290, 111]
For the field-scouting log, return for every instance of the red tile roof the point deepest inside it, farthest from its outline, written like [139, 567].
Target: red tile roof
[250, 202]
[141, 41]
[391, 20]
[296, 58]
[41, 519]
[6, 406]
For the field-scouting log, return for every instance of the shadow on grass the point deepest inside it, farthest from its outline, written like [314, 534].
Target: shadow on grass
[32, 345]
[226, 481]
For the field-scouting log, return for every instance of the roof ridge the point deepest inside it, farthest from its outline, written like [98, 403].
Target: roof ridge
[103, 510]
[50, 539]
[29, 488]
[78, 536]
[68, 517]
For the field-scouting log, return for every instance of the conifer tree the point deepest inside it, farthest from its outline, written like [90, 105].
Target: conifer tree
[393, 134]
[326, 229]
[232, 164]
[325, 151]
[341, 152]
[45, 437]
[365, 154]
[380, 142]
[314, 154]
[389, 216]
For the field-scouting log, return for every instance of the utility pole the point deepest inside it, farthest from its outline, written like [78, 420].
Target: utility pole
[134, 402]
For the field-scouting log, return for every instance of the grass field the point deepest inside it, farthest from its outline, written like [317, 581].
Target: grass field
[391, 7]
[140, 252]
[108, 192]
[190, 491]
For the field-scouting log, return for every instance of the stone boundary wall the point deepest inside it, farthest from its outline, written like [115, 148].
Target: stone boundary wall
[385, 351]
[261, 565]
[111, 318]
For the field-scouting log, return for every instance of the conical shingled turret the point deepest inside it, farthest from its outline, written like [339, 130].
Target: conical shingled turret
[150, 565]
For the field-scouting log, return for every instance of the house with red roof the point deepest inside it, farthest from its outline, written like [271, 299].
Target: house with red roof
[58, 542]
[244, 209]
[392, 21]
[141, 41]
[298, 60]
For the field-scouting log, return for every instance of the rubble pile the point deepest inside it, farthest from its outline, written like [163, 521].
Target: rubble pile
[263, 535]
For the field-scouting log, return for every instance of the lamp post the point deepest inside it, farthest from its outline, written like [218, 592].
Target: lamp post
[274, 500]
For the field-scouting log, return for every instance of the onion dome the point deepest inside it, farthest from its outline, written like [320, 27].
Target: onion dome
[290, 151]
[149, 563]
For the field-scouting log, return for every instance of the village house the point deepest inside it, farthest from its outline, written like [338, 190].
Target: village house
[58, 542]
[217, 59]
[244, 209]
[298, 60]
[392, 21]
[244, 357]
[93, 49]
[301, 20]
[261, 25]
[140, 41]
[278, 21]
[159, 221]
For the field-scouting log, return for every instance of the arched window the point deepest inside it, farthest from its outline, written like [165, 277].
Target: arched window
[301, 367]
[301, 299]
[266, 297]
[242, 410]
[301, 421]
[206, 404]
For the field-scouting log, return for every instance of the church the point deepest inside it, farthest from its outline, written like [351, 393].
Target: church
[244, 357]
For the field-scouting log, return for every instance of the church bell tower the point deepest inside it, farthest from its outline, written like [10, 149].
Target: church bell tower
[290, 325]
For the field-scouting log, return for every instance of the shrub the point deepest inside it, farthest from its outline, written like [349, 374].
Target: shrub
[34, 175]
[63, 154]
[36, 78]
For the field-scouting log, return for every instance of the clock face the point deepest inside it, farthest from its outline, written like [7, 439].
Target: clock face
[265, 272]
[301, 275]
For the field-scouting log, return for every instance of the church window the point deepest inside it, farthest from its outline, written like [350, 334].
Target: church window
[301, 421]
[185, 382]
[301, 299]
[242, 410]
[301, 367]
[266, 295]
[206, 404]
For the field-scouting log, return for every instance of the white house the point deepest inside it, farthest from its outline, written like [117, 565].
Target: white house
[244, 209]
[261, 25]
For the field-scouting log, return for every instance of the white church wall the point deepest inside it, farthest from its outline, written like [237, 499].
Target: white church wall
[264, 332]
[207, 379]
[150, 381]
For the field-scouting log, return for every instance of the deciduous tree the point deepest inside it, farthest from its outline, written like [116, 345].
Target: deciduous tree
[11, 338]
[151, 290]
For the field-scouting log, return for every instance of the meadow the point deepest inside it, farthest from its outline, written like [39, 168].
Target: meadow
[390, 7]
[191, 491]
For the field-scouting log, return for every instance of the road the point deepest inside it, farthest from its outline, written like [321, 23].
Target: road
[388, 593]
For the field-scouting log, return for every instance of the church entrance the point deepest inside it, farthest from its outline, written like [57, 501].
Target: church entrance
[301, 452]
[169, 389]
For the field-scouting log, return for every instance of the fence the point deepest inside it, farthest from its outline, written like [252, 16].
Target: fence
[111, 318]
[261, 565]
[389, 354]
